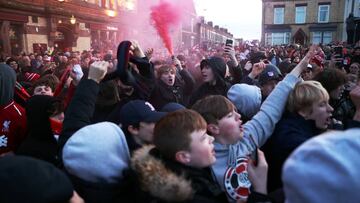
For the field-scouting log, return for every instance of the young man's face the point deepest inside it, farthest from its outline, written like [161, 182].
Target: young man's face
[202, 151]
[321, 113]
[354, 69]
[207, 74]
[307, 74]
[43, 90]
[146, 132]
[230, 128]
[268, 87]
[336, 93]
[168, 77]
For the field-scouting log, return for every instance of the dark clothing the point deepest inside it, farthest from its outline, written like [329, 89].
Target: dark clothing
[207, 89]
[100, 193]
[80, 109]
[350, 29]
[40, 142]
[78, 115]
[143, 81]
[290, 132]
[178, 93]
[170, 181]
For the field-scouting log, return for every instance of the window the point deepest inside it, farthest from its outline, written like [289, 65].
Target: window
[323, 15]
[107, 3]
[327, 37]
[279, 15]
[321, 37]
[300, 16]
[316, 39]
[277, 38]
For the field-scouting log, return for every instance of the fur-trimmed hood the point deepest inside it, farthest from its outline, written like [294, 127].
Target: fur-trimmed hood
[158, 180]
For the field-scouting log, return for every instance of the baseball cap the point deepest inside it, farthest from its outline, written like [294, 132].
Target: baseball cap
[270, 72]
[137, 111]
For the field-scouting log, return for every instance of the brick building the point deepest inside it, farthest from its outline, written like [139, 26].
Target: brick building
[73, 25]
[304, 21]
[209, 34]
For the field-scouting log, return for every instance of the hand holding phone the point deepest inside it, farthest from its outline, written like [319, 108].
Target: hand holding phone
[229, 42]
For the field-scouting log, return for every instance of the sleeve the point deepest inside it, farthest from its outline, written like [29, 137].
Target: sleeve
[189, 81]
[262, 125]
[80, 109]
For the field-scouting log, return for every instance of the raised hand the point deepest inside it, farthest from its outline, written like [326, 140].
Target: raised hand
[98, 70]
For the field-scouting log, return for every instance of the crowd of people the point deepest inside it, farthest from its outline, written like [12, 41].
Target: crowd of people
[211, 124]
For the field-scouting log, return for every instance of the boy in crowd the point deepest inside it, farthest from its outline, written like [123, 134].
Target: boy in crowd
[177, 169]
[234, 141]
[46, 85]
[138, 119]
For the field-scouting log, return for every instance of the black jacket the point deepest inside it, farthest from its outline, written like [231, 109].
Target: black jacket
[178, 93]
[156, 179]
[290, 132]
[40, 143]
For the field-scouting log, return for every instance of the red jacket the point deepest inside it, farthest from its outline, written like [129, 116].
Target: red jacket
[12, 127]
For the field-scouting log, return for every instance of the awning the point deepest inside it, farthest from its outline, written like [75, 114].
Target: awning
[322, 28]
[277, 28]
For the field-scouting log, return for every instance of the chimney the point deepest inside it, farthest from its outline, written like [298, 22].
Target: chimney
[210, 23]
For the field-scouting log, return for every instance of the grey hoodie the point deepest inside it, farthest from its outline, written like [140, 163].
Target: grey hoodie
[7, 84]
[260, 127]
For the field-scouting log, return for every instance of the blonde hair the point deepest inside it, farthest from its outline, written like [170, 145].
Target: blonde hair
[305, 94]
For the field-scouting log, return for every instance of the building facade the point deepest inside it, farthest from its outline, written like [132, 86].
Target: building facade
[304, 21]
[67, 25]
[209, 34]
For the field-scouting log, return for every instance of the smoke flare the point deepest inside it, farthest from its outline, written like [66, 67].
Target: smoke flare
[164, 16]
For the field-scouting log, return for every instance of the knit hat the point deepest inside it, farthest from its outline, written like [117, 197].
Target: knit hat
[270, 72]
[217, 64]
[137, 111]
[97, 153]
[246, 98]
[324, 169]
[25, 179]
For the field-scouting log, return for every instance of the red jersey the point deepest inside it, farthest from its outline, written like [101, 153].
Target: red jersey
[12, 127]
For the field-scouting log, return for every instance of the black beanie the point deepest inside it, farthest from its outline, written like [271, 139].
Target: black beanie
[25, 179]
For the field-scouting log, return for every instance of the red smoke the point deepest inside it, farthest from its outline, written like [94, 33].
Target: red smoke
[164, 16]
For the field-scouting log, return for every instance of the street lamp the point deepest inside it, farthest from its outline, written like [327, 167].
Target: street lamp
[110, 13]
[72, 20]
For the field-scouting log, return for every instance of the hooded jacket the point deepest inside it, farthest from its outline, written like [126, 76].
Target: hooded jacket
[161, 180]
[40, 142]
[12, 115]
[178, 93]
[246, 98]
[260, 127]
[95, 157]
[324, 169]
[221, 86]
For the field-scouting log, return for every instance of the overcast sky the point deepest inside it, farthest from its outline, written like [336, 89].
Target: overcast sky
[241, 17]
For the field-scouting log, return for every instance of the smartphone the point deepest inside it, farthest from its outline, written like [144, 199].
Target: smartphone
[229, 42]
[254, 155]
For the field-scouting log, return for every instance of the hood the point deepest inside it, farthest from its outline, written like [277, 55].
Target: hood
[158, 180]
[218, 66]
[324, 169]
[7, 84]
[246, 98]
[52, 185]
[97, 153]
[38, 110]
